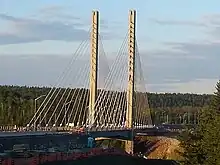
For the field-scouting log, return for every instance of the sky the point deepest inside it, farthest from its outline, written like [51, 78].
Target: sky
[178, 41]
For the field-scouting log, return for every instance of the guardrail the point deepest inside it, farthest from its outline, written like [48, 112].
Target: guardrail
[70, 129]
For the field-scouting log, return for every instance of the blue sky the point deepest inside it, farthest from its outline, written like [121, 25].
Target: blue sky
[179, 41]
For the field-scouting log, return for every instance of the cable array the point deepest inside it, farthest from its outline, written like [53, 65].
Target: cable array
[63, 99]
[142, 115]
[110, 107]
[67, 103]
[103, 66]
[67, 106]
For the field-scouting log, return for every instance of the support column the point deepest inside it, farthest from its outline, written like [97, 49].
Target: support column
[131, 70]
[93, 65]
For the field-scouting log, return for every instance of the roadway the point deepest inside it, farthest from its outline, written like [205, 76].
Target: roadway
[34, 138]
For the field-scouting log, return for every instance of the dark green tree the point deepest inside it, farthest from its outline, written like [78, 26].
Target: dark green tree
[215, 102]
[202, 145]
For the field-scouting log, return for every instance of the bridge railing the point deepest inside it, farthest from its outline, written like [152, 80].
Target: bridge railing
[58, 129]
[65, 128]
[76, 129]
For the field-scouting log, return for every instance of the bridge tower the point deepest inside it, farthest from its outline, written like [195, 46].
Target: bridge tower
[93, 66]
[131, 70]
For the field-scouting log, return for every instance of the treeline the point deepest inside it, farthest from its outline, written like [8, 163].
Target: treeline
[178, 100]
[17, 103]
[156, 100]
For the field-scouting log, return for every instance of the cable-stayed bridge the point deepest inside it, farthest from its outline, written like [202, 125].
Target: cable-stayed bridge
[113, 103]
[117, 100]
[105, 100]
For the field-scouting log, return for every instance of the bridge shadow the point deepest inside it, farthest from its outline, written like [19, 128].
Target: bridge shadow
[144, 146]
[141, 144]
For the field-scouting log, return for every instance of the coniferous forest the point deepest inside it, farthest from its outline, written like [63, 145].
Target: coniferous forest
[17, 105]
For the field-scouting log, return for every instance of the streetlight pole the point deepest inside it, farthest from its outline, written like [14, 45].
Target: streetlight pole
[65, 114]
[163, 118]
[2, 111]
[184, 118]
[35, 109]
[156, 119]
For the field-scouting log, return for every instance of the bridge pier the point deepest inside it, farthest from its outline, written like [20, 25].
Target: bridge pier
[129, 146]
[131, 73]
[93, 66]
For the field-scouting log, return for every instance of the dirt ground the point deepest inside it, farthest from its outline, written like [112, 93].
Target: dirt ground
[165, 148]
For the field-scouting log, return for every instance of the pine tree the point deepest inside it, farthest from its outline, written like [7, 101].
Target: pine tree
[193, 149]
[215, 104]
[202, 146]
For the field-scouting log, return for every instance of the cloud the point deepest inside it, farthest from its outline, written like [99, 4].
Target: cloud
[56, 12]
[189, 62]
[51, 9]
[45, 70]
[60, 13]
[200, 86]
[31, 30]
[181, 23]
[181, 67]
[199, 61]
[211, 20]
[166, 75]
[51, 22]
[210, 23]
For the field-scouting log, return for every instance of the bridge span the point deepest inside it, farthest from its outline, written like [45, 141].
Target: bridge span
[38, 138]
[120, 105]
